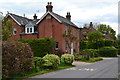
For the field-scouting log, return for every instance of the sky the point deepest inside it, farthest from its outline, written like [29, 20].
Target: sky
[82, 11]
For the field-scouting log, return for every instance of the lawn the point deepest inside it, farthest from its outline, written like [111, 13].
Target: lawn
[92, 60]
[33, 73]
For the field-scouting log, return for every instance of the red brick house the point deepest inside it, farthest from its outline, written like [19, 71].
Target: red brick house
[50, 25]
[84, 31]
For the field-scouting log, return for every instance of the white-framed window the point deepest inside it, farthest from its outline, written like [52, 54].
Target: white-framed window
[29, 30]
[14, 31]
[66, 30]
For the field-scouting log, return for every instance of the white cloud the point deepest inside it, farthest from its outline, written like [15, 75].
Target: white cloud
[82, 11]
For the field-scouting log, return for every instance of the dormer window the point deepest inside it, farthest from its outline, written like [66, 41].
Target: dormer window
[29, 28]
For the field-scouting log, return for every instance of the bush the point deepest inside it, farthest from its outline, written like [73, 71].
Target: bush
[41, 46]
[17, 57]
[78, 57]
[92, 52]
[83, 45]
[38, 62]
[51, 61]
[108, 52]
[109, 43]
[96, 44]
[67, 58]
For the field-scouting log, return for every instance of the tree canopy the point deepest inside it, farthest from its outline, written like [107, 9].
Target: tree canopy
[107, 31]
[94, 36]
[6, 29]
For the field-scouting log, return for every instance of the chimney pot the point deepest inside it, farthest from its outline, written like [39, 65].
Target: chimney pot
[91, 25]
[68, 16]
[49, 7]
[35, 17]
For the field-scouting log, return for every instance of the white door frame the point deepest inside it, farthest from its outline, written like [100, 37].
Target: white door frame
[72, 48]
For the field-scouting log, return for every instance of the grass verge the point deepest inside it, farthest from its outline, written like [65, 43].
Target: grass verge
[92, 60]
[33, 73]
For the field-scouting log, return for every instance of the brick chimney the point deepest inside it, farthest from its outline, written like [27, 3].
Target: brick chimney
[35, 17]
[68, 16]
[49, 7]
[91, 25]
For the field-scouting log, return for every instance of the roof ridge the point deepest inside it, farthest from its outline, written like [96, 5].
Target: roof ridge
[64, 18]
[61, 16]
[20, 16]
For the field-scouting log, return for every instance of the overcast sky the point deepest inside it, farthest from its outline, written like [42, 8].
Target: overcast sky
[82, 11]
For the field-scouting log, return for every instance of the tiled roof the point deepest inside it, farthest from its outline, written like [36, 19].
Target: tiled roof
[63, 20]
[22, 20]
[59, 18]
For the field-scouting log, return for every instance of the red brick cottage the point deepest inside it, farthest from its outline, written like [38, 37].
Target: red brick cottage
[50, 25]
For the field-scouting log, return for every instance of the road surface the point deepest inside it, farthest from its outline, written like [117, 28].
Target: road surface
[107, 68]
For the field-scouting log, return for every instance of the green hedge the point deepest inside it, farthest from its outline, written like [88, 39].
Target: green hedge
[96, 44]
[41, 46]
[51, 61]
[92, 52]
[108, 51]
[17, 58]
[67, 58]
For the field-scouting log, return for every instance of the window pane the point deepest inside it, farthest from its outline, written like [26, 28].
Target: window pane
[14, 31]
[56, 46]
[30, 30]
[27, 30]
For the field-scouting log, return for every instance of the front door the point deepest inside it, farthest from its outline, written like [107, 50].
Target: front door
[71, 48]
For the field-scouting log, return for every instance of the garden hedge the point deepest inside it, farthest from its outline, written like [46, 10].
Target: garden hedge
[96, 44]
[92, 52]
[17, 57]
[108, 51]
[41, 46]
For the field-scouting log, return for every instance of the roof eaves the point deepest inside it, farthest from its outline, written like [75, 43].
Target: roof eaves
[45, 15]
[14, 19]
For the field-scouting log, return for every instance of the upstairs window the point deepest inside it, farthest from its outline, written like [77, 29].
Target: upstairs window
[29, 30]
[14, 31]
[66, 30]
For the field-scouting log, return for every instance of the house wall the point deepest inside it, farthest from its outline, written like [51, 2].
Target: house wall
[51, 28]
[20, 29]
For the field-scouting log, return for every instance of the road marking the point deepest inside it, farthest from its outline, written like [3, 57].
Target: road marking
[82, 69]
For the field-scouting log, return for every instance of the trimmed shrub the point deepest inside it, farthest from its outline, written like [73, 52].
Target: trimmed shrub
[41, 46]
[109, 43]
[96, 44]
[83, 45]
[92, 52]
[17, 57]
[51, 61]
[67, 58]
[108, 52]
[38, 62]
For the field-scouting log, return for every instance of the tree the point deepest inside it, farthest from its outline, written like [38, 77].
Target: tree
[94, 36]
[6, 29]
[69, 38]
[107, 31]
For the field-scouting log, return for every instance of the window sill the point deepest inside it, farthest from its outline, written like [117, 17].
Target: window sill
[28, 33]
